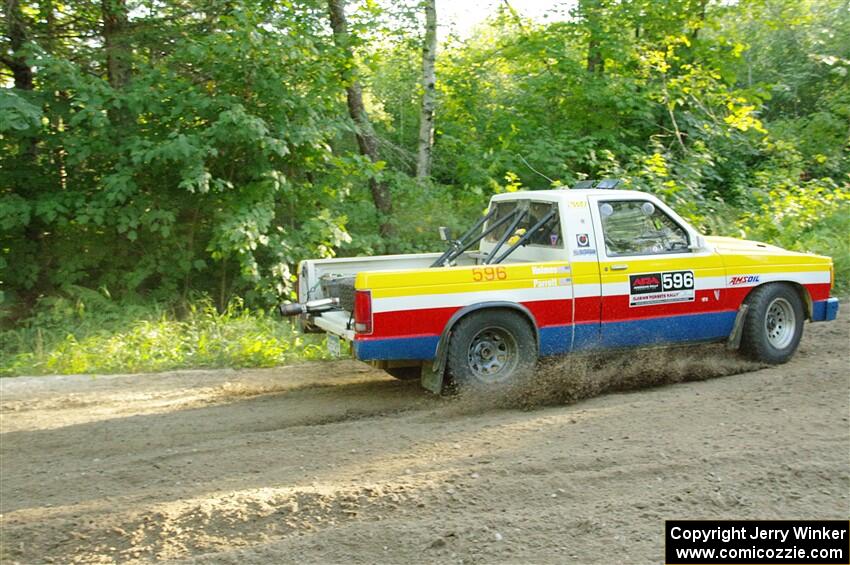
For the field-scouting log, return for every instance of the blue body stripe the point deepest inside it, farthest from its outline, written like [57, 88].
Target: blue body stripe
[555, 340]
[825, 310]
[421, 348]
[653, 331]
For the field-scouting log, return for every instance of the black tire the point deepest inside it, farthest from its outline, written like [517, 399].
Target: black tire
[491, 350]
[774, 324]
[405, 373]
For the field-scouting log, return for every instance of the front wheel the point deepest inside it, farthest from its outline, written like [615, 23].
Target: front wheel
[774, 324]
[491, 349]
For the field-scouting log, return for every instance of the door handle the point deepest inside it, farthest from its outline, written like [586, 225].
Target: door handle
[619, 267]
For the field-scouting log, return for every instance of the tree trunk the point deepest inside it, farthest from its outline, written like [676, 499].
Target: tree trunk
[595, 63]
[367, 141]
[17, 33]
[115, 42]
[429, 92]
[590, 12]
[23, 76]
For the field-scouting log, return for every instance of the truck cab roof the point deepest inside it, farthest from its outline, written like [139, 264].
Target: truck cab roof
[566, 194]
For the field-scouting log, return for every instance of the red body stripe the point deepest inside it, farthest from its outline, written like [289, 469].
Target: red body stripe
[587, 309]
[617, 309]
[428, 321]
[551, 312]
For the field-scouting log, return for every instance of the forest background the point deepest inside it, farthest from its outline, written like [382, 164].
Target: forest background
[164, 164]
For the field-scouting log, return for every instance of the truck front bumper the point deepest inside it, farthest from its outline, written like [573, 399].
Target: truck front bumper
[825, 310]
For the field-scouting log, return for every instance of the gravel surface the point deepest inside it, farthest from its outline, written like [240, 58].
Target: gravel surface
[339, 463]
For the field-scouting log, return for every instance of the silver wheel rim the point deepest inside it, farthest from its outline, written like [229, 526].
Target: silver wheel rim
[492, 355]
[780, 323]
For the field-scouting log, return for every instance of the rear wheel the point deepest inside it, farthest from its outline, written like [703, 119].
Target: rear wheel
[491, 349]
[774, 324]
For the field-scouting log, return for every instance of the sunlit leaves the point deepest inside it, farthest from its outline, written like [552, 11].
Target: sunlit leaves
[742, 116]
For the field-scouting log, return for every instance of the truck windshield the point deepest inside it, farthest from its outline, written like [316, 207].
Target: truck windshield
[549, 234]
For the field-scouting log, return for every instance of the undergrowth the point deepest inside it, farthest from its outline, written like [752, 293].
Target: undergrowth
[92, 334]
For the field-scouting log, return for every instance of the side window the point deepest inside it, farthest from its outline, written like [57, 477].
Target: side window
[547, 235]
[637, 227]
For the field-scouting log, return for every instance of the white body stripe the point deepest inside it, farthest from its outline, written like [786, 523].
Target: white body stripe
[421, 302]
[802, 277]
[700, 283]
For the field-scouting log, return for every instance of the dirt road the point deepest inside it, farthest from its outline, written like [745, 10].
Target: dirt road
[334, 462]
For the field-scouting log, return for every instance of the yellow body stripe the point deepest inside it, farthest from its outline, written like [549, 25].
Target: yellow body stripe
[732, 261]
[385, 284]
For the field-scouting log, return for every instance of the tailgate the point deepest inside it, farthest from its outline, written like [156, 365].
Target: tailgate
[335, 322]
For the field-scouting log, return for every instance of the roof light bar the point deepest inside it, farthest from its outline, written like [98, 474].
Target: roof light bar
[608, 183]
[604, 184]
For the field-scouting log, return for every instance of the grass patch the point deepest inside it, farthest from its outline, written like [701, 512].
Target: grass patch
[100, 336]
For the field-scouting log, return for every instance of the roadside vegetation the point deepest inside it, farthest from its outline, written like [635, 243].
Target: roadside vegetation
[92, 334]
[164, 166]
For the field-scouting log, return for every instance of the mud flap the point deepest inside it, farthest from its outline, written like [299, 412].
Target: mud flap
[432, 376]
[734, 341]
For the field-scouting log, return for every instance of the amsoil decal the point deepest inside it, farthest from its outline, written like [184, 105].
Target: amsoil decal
[739, 280]
[661, 288]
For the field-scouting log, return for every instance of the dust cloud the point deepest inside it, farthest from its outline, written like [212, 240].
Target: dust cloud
[567, 380]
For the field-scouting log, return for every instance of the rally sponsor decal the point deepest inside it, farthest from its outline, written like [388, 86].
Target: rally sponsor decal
[583, 240]
[489, 274]
[661, 288]
[587, 251]
[740, 280]
[550, 270]
[549, 283]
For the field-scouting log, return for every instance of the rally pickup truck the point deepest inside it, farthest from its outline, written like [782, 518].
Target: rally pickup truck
[559, 271]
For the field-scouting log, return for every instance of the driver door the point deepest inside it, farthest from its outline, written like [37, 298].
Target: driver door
[655, 288]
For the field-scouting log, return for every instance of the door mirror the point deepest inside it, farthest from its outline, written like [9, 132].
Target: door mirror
[697, 243]
[445, 233]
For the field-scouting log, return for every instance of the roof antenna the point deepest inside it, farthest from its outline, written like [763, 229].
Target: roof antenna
[533, 169]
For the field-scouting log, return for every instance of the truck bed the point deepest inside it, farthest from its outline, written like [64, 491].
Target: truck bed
[310, 272]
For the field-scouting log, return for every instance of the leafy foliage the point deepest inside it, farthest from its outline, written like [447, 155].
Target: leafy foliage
[815, 216]
[209, 187]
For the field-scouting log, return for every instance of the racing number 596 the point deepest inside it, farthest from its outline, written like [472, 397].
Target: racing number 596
[489, 274]
[677, 281]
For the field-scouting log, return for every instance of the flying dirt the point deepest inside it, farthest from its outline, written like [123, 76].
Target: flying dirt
[337, 462]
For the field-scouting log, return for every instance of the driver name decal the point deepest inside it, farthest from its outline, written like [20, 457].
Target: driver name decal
[661, 288]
